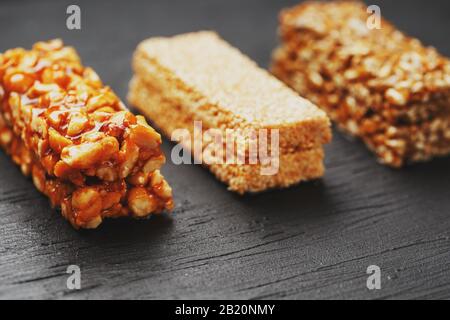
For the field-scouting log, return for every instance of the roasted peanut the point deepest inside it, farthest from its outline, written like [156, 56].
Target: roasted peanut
[56, 117]
[141, 202]
[87, 154]
[39, 89]
[160, 186]
[104, 99]
[130, 153]
[144, 137]
[39, 126]
[78, 122]
[163, 190]
[88, 203]
[107, 173]
[57, 141]
[48, 45]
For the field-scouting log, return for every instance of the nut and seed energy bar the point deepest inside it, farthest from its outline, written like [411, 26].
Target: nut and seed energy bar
[200, 77]
[380, 85]
[84, 150]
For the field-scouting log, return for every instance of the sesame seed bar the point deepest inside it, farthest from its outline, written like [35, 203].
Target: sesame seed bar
[380, 85]
[200, 77]
[84, 150]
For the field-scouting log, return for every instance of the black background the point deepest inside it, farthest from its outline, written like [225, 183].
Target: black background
[311, 241]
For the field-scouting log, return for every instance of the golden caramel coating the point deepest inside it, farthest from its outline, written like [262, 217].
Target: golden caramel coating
[380, 85]
[75, 137]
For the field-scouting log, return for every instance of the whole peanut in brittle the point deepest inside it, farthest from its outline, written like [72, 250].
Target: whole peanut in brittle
[91, 156]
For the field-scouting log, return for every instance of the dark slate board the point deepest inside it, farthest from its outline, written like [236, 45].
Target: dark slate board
[311, 241]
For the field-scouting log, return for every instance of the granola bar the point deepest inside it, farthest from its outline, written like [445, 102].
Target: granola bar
[200, 77]
[380, 85]
[84, 150]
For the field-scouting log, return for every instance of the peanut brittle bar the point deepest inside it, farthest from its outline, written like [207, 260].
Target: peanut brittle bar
[200, 77]
[379, 85]
[84, 150]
